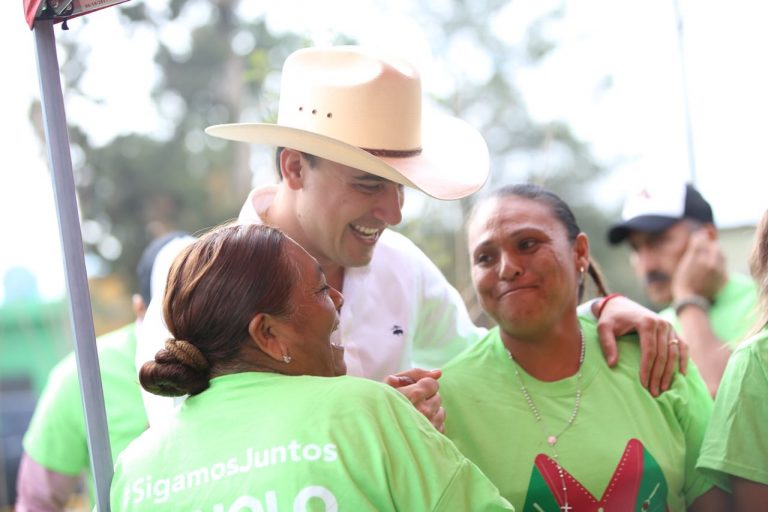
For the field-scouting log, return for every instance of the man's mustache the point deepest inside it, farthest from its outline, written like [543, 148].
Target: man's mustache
[656, 276]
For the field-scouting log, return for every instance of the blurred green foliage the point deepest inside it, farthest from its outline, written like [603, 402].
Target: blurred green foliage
[137, 187]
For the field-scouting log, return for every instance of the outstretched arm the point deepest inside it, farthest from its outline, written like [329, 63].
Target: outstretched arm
[40, 489]
[709, 352]
[699, 276]
[748, 495]
[714, 500]
[662, 350]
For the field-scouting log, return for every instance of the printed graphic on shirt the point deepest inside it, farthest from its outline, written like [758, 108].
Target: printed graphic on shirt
[638, 484]
[397, 330]
[159, 489]
[309, 499]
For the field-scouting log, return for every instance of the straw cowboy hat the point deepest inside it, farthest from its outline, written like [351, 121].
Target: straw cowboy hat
[358, 108]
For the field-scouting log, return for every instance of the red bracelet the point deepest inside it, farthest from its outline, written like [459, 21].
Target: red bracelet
[604, 301]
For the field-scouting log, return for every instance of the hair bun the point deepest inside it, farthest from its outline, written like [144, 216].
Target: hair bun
[187, 354]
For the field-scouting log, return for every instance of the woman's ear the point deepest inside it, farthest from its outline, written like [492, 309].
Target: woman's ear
[263, 332]
[581, 249]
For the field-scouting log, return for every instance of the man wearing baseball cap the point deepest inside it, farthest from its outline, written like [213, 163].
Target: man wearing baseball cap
[675, 253]
[351, 133]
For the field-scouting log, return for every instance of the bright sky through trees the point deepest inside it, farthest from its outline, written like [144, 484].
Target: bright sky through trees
[615, 77]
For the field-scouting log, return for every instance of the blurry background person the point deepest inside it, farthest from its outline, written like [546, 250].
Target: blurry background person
[736, 442]
[33, 339]
[266, 425]
[675, 253]
[577, 435]
[55, 445]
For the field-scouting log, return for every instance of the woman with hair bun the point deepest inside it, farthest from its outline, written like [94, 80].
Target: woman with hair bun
[272, 423]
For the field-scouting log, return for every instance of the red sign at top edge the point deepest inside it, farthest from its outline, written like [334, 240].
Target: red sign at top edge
[60, 10]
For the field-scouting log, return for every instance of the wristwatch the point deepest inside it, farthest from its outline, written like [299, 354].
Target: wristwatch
[698, 301]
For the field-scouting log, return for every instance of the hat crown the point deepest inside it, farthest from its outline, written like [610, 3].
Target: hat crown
[363, 109]
[657, 200]
[366, 100]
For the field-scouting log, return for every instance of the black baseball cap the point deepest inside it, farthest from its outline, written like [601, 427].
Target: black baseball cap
[652, 209]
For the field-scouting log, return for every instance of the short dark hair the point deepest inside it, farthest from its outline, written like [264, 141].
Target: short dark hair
[147, 261]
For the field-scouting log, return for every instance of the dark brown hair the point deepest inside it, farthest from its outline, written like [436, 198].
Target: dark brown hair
[758, 262]
[215, 287]
[562, 213]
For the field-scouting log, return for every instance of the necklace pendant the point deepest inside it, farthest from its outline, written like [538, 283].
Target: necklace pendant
[552, 440]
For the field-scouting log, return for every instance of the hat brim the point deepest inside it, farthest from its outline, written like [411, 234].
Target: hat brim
[452, 164]
[644, 223]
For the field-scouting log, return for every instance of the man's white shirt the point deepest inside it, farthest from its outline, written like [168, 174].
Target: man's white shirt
[399, 311]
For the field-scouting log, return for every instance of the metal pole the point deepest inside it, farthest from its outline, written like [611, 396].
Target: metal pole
[686, 103]
[81, 317]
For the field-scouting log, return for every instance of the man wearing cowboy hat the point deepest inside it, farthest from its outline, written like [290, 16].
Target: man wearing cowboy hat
[352, 134]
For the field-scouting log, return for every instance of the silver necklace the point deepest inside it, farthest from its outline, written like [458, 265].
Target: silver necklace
[553, 438]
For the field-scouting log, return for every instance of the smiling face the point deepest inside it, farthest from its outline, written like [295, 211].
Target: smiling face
[343, 211]
[306, 332]
[524, 269]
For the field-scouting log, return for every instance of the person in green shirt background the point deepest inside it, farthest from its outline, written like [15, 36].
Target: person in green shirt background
[534, 404]
[675, 252]
[272, 422]
[55, 453]
[736, 443]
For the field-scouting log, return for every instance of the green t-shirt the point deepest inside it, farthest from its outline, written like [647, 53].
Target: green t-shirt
[736, 442]
[260, 441]
[732, 314]
[623, 449]
[56, 438]
[34, 336]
